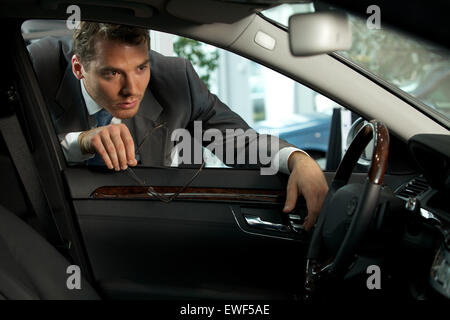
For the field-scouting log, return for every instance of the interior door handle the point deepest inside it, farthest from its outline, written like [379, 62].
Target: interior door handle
[257, 222]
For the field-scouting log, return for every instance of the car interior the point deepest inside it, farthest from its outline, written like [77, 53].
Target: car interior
[224, 237]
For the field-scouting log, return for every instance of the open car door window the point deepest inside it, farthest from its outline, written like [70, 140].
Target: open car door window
[217, 239]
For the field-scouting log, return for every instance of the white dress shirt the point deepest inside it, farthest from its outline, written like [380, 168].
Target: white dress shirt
[73, 154]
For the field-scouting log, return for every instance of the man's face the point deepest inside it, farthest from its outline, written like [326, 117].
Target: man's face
[118, 76]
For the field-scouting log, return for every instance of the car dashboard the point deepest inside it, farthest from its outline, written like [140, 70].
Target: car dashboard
[426, 199]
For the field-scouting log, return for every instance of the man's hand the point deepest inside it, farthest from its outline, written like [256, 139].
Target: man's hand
[308, 180]
[113, 143]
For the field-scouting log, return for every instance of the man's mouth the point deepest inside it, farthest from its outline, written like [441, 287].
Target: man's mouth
[128, 104]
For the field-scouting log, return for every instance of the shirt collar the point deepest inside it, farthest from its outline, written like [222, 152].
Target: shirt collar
[91, 105]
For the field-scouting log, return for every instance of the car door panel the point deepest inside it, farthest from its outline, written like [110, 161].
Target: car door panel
[193, 247]
[198, 246]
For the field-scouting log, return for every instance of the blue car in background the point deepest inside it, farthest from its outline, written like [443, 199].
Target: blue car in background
[309, 132]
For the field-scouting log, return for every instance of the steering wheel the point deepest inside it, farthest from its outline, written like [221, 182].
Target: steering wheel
[348, 208]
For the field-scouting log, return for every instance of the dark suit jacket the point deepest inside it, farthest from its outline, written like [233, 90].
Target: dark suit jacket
[175, 96]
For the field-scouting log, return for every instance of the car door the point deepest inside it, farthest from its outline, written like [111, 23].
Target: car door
[223, 237]
[203, 244]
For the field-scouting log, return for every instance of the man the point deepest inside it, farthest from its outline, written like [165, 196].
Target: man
[115, 89]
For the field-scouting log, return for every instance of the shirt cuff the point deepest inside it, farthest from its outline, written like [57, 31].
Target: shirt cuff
[71, 149]
[283, 157]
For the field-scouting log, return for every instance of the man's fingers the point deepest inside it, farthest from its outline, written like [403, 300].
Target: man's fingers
[113, 143]
[308, 224]
[314, 201]
[100, 149]
[109, 146]
[311, 205]
[129, 145]
[308, 179]
[116, 138]
[291, 196]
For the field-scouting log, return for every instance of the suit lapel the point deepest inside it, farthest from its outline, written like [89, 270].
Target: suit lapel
[70, 112]
[144, 125]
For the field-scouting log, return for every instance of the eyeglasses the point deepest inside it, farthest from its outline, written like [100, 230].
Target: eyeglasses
[151, 191]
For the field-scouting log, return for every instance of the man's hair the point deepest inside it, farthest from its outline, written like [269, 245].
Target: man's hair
[88, 33]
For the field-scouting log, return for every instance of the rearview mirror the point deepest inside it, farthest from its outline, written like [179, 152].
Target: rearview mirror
[318, 33]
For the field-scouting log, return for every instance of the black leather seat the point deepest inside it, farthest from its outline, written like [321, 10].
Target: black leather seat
[30, 268]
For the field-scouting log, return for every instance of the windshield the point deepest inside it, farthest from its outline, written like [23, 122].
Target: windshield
[417, 68]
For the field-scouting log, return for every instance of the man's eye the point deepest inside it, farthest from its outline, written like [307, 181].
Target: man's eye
[110, 74]
[143, 67]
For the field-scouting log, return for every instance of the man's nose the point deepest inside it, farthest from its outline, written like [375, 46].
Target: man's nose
[129, 86]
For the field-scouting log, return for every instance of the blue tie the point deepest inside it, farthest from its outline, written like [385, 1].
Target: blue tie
[103, 118]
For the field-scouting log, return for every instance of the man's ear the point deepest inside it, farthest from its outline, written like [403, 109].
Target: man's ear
[77, 67]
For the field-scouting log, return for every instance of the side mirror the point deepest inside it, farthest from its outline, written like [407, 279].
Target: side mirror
[319, 33]
[366, 157]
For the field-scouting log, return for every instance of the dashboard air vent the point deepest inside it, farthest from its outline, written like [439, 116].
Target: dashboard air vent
[413, 188]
